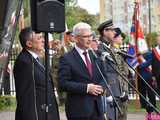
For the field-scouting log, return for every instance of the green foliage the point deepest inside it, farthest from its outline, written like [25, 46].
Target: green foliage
[133, 106]
[77, 14]
[151, 39]
[7, 103]
[70, 3]
[26, 7]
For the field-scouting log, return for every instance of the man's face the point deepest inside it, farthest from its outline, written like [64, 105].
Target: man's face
[36, 43]
[71, 38]
[109, 34]
[84, 39]
[158, 40]
[118, 40]
[94, 45]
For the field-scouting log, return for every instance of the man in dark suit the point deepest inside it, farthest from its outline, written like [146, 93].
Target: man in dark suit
[145, 70]
[30, 81]
[79, 77]
[156, 63]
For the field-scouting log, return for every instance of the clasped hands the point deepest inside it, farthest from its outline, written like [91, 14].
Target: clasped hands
[94, 89]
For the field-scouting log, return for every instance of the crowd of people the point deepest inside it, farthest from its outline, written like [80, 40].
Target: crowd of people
[87, 72]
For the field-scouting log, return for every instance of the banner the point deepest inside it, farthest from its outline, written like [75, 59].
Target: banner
[137, 36]
[9, 12]
[137, 43]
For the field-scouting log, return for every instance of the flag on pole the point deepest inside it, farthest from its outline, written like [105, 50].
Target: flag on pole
[137, 36]
[132, 61]
[137, 43]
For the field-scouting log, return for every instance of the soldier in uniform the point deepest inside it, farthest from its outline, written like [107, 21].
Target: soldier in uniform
[58, 52]
[70, 42]
[118, 85]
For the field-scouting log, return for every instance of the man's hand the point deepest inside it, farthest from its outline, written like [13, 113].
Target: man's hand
[94, 89]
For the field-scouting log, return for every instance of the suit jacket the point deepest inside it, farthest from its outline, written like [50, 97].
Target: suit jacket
[143, 68]
[30, 90]
[155, 64]
[73, 78]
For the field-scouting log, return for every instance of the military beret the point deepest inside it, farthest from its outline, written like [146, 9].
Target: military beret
[117, 32]
[105, 25]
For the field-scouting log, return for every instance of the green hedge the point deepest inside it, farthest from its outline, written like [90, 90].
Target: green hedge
[7, 103]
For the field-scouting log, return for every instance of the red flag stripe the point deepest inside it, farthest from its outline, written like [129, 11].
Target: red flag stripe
[156, 54]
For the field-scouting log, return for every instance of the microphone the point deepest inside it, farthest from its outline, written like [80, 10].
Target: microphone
[103, 55]
[120, 52]
[107, 47]
[106, 55]
[93, 53]
[124, 54]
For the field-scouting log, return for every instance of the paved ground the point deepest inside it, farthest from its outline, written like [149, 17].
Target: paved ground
[131, 116]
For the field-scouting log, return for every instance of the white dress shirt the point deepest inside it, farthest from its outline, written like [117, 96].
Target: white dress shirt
[81, 51]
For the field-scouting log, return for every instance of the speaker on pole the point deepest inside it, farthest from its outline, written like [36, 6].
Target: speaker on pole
[48, 15]
[3, 12]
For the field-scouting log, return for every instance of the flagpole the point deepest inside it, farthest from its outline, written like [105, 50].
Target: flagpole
[136, 46]
[149, 15]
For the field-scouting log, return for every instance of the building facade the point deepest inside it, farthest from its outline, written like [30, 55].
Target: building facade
[121, 11]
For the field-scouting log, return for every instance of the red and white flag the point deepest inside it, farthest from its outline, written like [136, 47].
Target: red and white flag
[137, 36]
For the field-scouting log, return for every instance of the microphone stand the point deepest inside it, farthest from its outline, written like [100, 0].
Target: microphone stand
[46, 72]
[107, 48]
[107, 85]
[143, 79]
[123, 77]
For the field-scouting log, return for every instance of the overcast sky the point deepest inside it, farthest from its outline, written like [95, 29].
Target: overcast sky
[92, 6]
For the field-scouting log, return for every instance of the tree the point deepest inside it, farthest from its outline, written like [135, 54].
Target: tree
[70, 3]
[75, 14]
[151, 39]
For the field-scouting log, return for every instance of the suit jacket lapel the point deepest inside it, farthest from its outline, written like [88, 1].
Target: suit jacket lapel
[80, 62]
[40, 67]
[93, 63]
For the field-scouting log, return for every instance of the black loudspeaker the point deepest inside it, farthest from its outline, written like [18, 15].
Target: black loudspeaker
[48, 15]
[3, 12]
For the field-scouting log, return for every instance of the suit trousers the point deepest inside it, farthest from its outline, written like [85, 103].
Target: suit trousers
[94, 116]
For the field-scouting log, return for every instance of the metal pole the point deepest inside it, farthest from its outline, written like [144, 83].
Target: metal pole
[149, 15]
[46, 71]
[150, 29]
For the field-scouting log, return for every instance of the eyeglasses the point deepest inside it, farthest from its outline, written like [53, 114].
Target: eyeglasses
[86, 36]
[107, 29]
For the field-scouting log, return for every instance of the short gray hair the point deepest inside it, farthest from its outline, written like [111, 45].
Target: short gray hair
[80, 26]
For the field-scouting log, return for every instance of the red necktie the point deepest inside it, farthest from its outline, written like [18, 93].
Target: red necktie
[88, 63]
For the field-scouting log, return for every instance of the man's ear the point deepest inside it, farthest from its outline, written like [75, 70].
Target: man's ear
[29, 44]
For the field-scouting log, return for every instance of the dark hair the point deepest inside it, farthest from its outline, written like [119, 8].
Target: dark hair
[69, 32]
[24, 36]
